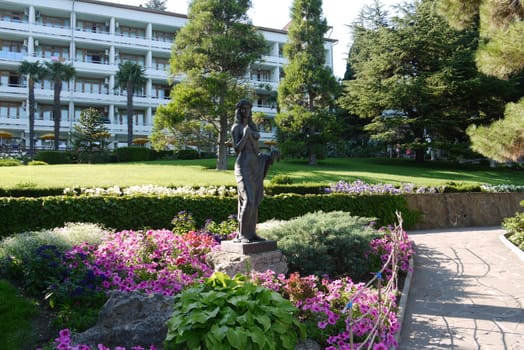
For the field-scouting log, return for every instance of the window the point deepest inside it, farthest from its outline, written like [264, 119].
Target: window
[14, 80]
[163, 36]
[160, 91]
[45, 112]
[94, 27]
[49, 51]
[11, 110]
[261, 75]
[11, 16]
[132, 32]
[91, 86]
[132, 58]
[160, 63]
[139, 117]
[91, 56]
[50, 21]
[12, 46]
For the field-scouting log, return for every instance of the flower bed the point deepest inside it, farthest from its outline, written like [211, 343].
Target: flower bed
[338, 314]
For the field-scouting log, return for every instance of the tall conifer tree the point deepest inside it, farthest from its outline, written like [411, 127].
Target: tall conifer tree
[306, 95]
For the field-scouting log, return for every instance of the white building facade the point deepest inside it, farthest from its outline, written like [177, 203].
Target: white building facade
[96, 36]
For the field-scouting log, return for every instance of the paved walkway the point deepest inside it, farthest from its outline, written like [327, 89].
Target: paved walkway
[467, 292]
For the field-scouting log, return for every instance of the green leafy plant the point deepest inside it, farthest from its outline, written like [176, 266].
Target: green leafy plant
[281, 180]
[37, 162]
[10, 162]
[225, 313]
[515, 227]
[183, 222]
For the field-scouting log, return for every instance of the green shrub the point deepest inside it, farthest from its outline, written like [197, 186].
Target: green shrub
[325, 243]
[515, 228]
[274, 189]
[10, 162]
[36, 261]
[37, 162]
[281, 180]
[187, 154]
[461, 187]
[143, 211]
[165, 154]
[53, 157]
[133, 154]
[224, 313]
[19, 250]
[93, 157]
[29, 189]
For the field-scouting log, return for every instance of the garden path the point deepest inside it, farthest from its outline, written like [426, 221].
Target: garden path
[467, 292]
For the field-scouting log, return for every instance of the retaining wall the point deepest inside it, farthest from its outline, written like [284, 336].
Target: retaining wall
[447, 210]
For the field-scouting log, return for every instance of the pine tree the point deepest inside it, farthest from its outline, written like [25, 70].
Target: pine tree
[501, 54]
[306, 95]
[213, 50]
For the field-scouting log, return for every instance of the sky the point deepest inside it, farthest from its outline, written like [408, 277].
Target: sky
[275, 14]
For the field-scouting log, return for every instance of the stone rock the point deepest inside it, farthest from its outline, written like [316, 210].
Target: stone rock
[130, 319]
[308, 344]
[232, 263]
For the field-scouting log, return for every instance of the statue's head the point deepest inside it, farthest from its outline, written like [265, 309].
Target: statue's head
[242, 105]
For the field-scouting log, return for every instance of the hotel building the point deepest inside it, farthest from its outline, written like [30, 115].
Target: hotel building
[95, 36]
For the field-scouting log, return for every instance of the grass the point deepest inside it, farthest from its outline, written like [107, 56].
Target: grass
[202, 172]
[17, 318]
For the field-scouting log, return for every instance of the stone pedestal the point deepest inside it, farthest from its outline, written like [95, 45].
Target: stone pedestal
[259, 256]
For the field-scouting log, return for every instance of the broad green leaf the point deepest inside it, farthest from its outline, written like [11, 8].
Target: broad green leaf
[237, 337]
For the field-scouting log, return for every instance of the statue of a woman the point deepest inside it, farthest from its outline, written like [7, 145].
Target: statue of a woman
[250, 169]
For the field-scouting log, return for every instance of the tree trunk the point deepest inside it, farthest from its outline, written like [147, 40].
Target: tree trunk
[312, 156]
[129, 110]
[222, 148]
[31, 116]
[57, 111]
[419, 155]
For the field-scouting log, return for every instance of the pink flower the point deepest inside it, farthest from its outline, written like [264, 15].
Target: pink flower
[380, 346]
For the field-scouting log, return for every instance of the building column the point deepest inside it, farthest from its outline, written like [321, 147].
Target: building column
[149, 60]
[149, 31]
[149, 117]
[112, 26]
[30, 46]
[149, 88]
[31, 14]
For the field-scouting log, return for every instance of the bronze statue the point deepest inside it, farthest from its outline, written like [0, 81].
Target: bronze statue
[251, 167]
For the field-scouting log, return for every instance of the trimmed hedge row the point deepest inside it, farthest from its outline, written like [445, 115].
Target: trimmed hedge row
[269, 189]
[139, 212]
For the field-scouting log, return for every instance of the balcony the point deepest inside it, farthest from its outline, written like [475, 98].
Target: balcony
[90, 65]
[12, 56]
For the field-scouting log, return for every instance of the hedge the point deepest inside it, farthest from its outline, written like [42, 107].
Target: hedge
[139, 212]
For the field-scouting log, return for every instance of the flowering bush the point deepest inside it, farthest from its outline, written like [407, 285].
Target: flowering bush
[64, 342]
[382, 255]
[323, 308]
[360, 187]
[501, 188]
[223, 191]
[154, 261]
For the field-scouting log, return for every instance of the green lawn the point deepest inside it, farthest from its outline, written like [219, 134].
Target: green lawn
[17, 318]
[202, 172]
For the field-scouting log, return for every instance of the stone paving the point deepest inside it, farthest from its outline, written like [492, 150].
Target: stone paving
[467, 292]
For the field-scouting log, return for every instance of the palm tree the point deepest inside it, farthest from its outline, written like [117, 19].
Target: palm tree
[132, 76]
[34, 72]
[58, 72]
